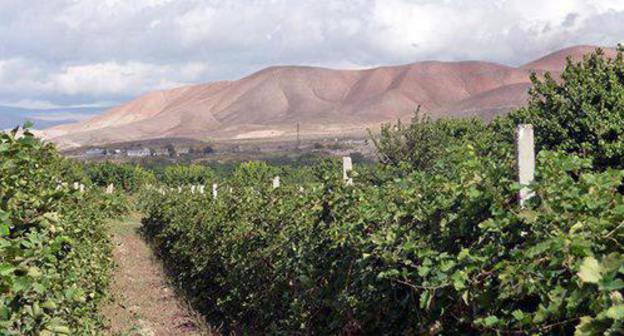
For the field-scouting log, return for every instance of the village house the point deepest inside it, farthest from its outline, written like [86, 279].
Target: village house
[96, 152]
[182, 150]
[160, 152]
[139, 152]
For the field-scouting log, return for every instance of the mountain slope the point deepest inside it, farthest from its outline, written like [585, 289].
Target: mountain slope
[270, 103]
[555, 62]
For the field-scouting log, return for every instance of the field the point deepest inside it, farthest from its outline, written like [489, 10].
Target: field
[437, 236]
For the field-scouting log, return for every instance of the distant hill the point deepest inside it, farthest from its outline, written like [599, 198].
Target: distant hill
[270, 103]
[44, 118]
[554, 62]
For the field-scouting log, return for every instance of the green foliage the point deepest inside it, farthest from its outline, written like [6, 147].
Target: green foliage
[54, 251]
[441, 251]
[123, 176]
[424, 141]
[253, 174]
[582, 113]
[179, 175]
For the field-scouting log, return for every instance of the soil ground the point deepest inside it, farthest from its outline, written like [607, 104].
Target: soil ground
[142, 302]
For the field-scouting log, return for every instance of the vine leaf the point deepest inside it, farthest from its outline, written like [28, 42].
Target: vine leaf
[590, 271]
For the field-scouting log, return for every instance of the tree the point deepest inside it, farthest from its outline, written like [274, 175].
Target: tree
[582, 113]
[424, 141]
[208, 150]
[171, 150]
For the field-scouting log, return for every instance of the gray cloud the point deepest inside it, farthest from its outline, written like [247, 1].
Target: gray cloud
[68, 52]
[570, 20]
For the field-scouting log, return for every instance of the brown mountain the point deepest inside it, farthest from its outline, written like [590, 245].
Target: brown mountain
[269, 103]
[554, 62]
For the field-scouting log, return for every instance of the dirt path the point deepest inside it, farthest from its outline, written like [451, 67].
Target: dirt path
[142, 303]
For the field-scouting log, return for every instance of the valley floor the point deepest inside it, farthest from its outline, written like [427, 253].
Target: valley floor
[142, 303]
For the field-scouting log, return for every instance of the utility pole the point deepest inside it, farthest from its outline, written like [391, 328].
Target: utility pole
[298, 137]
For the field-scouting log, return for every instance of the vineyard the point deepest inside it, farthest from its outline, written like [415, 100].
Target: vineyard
[443, 251]
[432, 239]
[54, 252]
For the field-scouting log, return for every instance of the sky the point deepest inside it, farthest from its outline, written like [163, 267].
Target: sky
[97, 53]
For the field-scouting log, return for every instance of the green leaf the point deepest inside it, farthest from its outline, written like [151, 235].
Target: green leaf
[49, 304]
[4, 216]
[611, 285]
[63, 330]
[529, 216]
[34, 272]
[590, 271]
[463, 254]
[21, 284]
[423, 271]
[4, 224]
[615, 312]
[518, 314]
[459, 280]
[4, 230]
[585, 327]
[618, 209]
[490, 321]
[6, 269]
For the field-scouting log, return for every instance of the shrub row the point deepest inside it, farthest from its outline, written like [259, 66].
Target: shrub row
[54, 248]
[445, 251]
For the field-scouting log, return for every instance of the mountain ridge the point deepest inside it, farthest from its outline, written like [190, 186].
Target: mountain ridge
[270, 102]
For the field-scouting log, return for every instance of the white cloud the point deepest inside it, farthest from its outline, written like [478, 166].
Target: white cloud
[76, 52]
[112, 78]
[97, 80]
[510, 32]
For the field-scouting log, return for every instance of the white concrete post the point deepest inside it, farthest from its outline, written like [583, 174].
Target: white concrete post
[214, 190]
[192, 189]
[202, 189]
[76, 185]
[347, 167]
[525, 156]
[82, 188]
[276, 182]
[179, 190]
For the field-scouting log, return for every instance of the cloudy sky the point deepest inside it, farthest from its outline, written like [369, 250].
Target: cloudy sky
[102, 52]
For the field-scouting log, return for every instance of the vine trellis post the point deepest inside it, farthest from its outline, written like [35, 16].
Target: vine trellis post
[347, 167]
[525, 158]
[525, 168]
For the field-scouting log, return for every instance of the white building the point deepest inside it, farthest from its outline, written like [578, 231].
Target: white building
[96, 152]
[139, 152]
